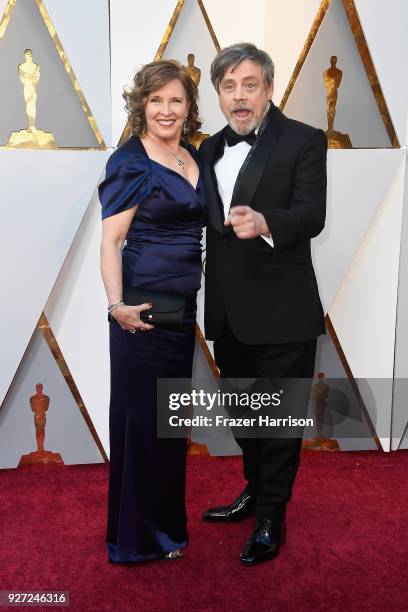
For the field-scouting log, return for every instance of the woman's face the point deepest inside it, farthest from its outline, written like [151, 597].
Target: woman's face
[166, 109]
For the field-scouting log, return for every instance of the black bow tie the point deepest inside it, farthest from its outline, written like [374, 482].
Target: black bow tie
[232, 138]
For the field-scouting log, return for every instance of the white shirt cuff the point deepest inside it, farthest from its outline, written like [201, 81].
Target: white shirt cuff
[268, 239]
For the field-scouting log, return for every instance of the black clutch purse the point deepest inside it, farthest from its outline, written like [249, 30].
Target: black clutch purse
[167, 311]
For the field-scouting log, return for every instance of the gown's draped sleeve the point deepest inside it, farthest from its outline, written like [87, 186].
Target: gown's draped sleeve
[128, 181]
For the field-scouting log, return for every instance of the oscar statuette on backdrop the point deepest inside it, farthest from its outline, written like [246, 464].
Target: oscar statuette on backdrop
[31, 137]
[39, 405]
[195, 75]
[320, 393]
[332, 79]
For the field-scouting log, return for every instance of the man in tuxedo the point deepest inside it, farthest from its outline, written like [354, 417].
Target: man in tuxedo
[265, 181]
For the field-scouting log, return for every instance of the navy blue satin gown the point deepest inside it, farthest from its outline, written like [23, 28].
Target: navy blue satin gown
[146, 503]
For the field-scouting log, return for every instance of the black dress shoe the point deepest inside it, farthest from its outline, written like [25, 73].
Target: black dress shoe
[265, 542]
[240, 508]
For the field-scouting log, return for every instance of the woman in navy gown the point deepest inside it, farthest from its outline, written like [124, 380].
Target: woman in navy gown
[152, 198]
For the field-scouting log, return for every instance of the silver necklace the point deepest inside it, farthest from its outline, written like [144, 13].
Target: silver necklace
[180, 162]
[178, 159]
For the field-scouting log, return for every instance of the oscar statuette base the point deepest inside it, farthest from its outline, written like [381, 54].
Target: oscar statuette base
[337, 140]
[39, 456]
[321, 444]
[32, 139]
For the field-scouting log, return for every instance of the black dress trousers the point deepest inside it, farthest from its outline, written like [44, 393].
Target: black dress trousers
[270, 464]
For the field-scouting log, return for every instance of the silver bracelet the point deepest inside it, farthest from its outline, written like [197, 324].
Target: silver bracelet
[113, 307]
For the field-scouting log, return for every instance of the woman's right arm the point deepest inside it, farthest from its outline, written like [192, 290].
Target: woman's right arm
[114, 232]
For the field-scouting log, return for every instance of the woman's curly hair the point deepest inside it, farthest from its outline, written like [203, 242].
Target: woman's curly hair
[152, 77]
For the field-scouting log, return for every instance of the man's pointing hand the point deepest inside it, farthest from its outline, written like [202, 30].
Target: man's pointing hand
[247, 223]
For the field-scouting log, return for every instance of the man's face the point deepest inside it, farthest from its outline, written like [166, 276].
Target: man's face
[244, 97]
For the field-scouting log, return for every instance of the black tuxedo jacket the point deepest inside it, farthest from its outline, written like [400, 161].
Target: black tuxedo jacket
[269, 295]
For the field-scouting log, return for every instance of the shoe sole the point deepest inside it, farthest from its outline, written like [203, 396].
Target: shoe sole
[263, 559]
[268, 556]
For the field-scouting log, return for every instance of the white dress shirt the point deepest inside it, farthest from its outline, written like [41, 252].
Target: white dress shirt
[226, 170]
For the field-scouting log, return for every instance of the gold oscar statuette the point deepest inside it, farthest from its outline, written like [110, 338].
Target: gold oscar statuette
[39, 405]
[193, 71]
[30, 138]
[332, 80]
[195, 75]
[320, 392]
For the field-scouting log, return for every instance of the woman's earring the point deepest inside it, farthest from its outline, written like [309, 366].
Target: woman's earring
[185, 127]
[143, 131]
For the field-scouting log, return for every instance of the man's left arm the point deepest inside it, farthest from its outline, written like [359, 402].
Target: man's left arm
[305, 217]
[306, 214]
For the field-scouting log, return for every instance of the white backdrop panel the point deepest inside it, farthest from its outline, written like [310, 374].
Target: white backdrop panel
[287, 26]
[3, 4]
[58, 106]
[364, 311]
[201, 301]
[357, 113]
[136, 32]
[66, 431]
[399, 406]
[365, 305]
[357, 181]
[404, 442]
[343, 415]
[77, 314]
[385, 26]
[191, 35]
[43, 198]
[237, 20]
[83, 28]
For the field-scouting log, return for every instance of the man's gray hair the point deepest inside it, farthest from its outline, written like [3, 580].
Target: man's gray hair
[231, 56]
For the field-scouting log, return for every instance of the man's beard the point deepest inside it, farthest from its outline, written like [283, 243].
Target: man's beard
[246, 127]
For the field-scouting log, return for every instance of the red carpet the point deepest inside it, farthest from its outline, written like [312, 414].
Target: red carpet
[347, 545]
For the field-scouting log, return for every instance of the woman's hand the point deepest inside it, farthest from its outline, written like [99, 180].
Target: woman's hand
[129, 319]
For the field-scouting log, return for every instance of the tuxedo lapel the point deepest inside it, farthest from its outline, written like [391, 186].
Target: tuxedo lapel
[253, 168]
[214, 203]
